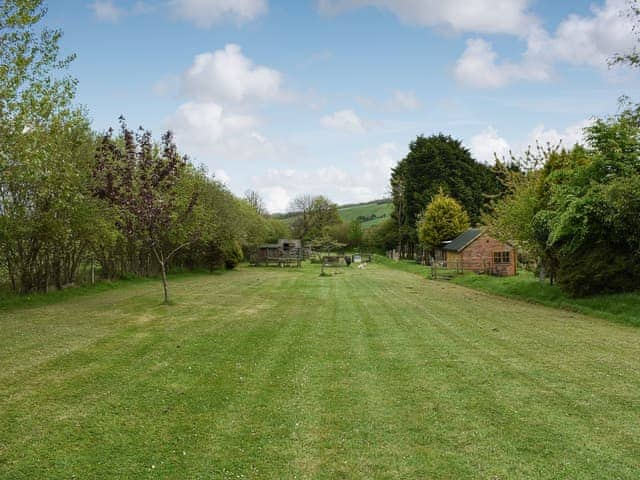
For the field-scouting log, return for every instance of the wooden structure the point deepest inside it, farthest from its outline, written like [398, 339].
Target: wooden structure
[476, 251]
[334, 261]
[361, 258]
[284, 253]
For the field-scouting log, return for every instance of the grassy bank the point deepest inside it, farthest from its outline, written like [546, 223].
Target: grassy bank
[624, 307]
[403, 266]
[280, 373]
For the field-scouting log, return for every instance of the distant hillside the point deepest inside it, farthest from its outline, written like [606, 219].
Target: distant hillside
[369, 213]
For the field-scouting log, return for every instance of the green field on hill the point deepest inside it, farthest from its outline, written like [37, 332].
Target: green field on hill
[370, 213]
[281, 373]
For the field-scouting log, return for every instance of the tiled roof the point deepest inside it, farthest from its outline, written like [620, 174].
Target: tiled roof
[461, 241]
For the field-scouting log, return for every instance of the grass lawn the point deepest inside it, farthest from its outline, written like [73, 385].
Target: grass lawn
[280, 373]
[623, 307]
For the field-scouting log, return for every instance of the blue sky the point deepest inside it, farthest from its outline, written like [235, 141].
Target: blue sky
[323, 96]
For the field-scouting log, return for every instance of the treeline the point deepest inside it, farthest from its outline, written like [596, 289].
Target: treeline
[71, 197]
[125, 202]
[317, 222]
[576, 211]
[438, 164]
[573, 212]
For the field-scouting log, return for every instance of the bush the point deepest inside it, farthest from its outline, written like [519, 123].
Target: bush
[232, 255]
[601, 269]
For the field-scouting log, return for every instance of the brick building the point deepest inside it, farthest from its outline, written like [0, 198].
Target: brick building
[476, 251]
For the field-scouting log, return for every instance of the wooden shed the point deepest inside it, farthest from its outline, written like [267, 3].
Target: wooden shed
[476, 251]
[283, 248]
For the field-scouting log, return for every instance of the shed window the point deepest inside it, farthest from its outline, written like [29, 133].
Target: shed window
[501, 257]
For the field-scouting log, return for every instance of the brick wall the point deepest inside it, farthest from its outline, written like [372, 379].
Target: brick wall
[478, 256]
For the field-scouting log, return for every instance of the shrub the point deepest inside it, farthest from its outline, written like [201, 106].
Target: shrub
[232, 255]
[601, 269]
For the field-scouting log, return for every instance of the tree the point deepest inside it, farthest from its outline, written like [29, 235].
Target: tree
[156, 193]
[443, 219]
[323, 214]
[511, 215]
[356, 234]
[314, 215]
[32, 88]
[301, 226]
[255, 200]
[594, 209]
[631, 58]
[580, 212]
[434, 163]
[381, 237]
[46, 210]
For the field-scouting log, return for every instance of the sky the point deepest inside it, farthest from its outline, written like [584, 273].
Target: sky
[288, 97]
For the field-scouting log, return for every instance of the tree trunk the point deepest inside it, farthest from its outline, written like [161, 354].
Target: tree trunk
[12, 276]
[165, 287]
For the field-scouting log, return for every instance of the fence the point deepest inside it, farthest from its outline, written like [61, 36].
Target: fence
[449, 269]
[280, 260]
[446, 270]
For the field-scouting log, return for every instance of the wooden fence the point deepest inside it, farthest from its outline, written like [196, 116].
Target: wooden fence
[446, 270]
[281, 261]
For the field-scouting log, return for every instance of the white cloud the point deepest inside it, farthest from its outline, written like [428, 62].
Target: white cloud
[107, 11]
[345, 120]
[211, 133]
[203, 13]
[369, 182]
[217, 120]
[578, 40]
[481, 16]
[206, 13]
[376, 168]
[487, 143]
[279, 186]
[404, 100]
[227, 76]
[591, 40]
[221, 175]
[144, 8]
[484, 144]
[206, 129]
[169, 85]
[478, 67]
[400, 100]
[208, 122]
[568, 137]
[276, 199]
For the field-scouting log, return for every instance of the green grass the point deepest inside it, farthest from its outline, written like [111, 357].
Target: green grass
[623, 307]
[280, 373]
[381, 209]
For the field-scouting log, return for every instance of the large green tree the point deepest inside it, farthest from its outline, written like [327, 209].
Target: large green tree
[314, 215]
[443, 219]
[580, 213]
[47, 215]
[434, 163]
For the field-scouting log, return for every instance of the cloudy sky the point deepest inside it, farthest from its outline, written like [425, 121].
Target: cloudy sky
[323, 96]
